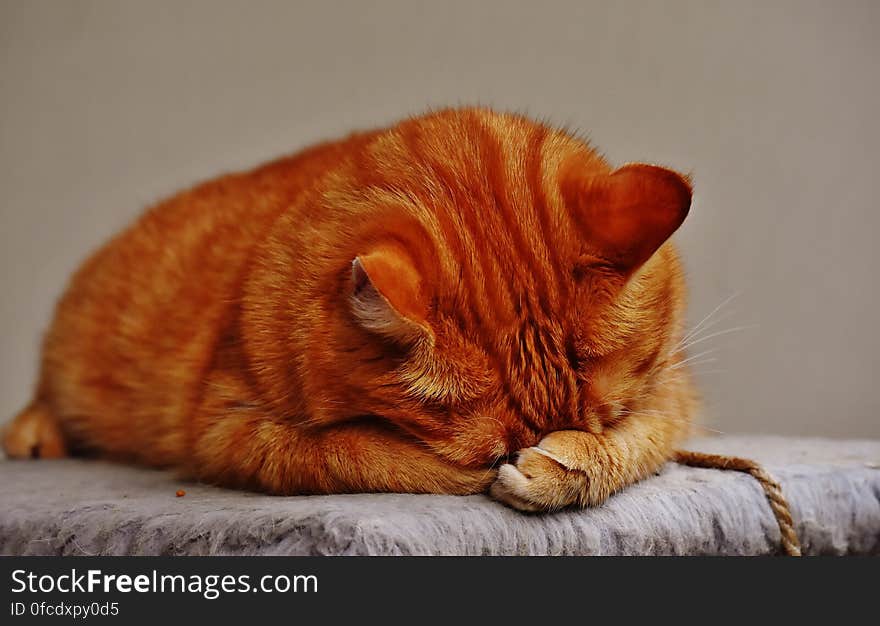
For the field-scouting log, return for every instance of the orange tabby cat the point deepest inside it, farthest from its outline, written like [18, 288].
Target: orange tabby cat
[401, 310]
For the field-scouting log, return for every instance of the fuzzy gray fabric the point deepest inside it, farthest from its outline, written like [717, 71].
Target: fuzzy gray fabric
[76, 507]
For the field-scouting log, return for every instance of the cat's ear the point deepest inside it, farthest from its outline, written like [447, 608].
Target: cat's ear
[387, 295]
[627, 215]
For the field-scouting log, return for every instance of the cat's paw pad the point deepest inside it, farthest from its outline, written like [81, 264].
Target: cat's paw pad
[538, 481]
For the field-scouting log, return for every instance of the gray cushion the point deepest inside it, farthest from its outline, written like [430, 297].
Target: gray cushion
[76, 507]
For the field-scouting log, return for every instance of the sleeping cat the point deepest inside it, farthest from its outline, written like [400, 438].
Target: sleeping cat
[465, 301]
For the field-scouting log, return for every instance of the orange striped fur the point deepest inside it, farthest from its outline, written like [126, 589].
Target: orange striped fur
[401, 310]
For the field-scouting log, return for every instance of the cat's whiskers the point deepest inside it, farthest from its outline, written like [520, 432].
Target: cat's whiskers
[708, 429]
[701, 362]
[648, 412]
[698, 355]
[726, 331]
[719, 319]
[700, 324]
[492, 467]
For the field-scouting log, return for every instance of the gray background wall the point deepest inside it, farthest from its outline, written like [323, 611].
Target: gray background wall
[107, 106]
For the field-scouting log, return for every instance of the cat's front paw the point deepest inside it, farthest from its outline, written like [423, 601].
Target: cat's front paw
[547, 477]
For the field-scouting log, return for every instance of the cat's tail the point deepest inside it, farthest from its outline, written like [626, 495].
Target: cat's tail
[35, 433]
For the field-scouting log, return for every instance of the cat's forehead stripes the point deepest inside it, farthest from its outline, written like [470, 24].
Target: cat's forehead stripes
[485, 188]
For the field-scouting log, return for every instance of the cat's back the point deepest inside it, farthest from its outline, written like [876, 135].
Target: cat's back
[138, 324]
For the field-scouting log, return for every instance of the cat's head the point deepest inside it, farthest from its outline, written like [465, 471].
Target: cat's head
[492, 280]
